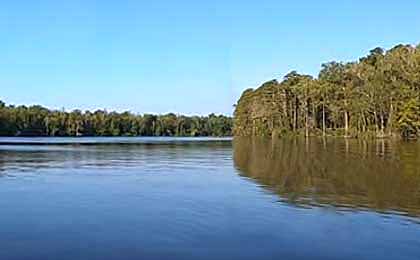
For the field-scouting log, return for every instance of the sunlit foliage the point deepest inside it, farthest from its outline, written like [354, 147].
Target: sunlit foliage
[40, 121]
[377, 96]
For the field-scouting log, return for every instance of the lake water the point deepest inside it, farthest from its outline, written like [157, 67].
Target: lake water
[189, 198]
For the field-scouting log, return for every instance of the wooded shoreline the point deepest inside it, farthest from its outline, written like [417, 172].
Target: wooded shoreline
[377, 96]
[40, 121]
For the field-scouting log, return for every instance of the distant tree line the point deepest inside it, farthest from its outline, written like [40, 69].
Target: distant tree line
[378, 96]
[40, 121]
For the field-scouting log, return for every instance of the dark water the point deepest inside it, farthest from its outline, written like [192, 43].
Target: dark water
[159, 198]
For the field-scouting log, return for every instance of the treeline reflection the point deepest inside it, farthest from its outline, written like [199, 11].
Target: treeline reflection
[378, 175]
[151, 156]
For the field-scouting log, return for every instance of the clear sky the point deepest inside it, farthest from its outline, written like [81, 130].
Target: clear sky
[191, 57]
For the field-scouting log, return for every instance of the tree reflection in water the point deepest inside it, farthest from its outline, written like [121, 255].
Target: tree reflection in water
[381, 175]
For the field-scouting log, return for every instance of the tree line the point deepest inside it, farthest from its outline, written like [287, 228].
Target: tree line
[378, 95]
[40, 121]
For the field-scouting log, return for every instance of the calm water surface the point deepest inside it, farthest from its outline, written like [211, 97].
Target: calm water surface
[186, 198]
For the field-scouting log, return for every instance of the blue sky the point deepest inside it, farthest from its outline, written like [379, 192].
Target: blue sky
[190, 57]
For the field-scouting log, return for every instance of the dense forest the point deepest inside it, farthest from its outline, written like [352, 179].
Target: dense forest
[377, 96]
[40, 121]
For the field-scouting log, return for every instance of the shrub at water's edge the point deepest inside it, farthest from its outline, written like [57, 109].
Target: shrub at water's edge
[377, 96]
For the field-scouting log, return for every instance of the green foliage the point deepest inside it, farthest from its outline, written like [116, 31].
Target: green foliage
[39, 121]
[409, 117]
[377, 96]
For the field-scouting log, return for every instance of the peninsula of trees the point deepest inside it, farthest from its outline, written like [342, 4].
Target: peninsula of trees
[377, 96]
[40, 121]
